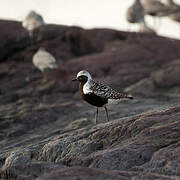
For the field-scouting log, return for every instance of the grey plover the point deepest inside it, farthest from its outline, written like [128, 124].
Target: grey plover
[32, 22]
[96, 93]
[44, 61]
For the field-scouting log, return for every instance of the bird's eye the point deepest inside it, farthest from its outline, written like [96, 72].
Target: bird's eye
[79, 78]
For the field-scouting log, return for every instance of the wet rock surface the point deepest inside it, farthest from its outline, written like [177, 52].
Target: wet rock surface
[48, 132]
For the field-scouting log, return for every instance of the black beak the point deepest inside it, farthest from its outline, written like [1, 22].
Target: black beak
[74, 79]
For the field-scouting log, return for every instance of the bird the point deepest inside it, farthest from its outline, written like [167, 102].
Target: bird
[97, 93]
[155, 8]
[175, 10]
[172, 6]
[32, 22]
[175, 16]
[44, 61]
[135, 13]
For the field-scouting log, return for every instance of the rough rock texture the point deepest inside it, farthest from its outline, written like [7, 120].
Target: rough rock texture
[48, 132]
[168, 75]
[120, 145]
[82, 173]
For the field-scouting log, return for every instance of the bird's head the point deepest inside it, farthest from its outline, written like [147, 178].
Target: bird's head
[32, 13]
[82, 76]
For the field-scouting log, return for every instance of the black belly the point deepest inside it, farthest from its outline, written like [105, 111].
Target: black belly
[94, 100]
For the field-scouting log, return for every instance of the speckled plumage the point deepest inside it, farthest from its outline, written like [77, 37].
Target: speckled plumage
[105, 91]
[97, 93]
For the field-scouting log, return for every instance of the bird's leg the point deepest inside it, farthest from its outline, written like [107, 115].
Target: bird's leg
[33, 37]
[45, 76]
[106, 113]
[30, 34]
[40, 33]
[129, 28]
[96, 116]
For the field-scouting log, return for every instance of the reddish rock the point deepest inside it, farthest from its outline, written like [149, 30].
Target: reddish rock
[168, 75]
[49, 120]
[143, 88]
[166, 160]
[82, 173]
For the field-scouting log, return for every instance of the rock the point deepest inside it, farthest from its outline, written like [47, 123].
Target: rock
[20, 165]
[28, 171]
[167, 76]
[17, 158]
[121, 145]
[82, 173]
[46, 126]
[164, 161]
[144, 87]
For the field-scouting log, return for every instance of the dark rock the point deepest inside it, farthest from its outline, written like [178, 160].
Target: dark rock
[82, 173]
[20, 165]
[168, 75]
[144, 87]
[45, 126]
[121, 145]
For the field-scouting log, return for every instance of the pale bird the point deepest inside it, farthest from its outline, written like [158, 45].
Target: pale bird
[172, 6]
[32, 22]
[175, 11]
[136, 14]
[44, 61]
[155, 8]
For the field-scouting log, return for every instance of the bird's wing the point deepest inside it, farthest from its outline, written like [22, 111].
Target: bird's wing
[105, 91]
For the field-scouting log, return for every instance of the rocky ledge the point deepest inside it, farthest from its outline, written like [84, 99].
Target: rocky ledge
[48, 132]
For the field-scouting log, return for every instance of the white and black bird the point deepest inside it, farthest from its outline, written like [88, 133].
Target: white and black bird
[44, 61]
[96, 93]
[32, 22]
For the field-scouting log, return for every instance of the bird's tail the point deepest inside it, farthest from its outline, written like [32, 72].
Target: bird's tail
[118, 97]
[129, 96]
[122, 96]
[54, 66]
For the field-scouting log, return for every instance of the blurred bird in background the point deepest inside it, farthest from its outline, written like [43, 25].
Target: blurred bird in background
[136, 14]
[33, 22]
[45, 62]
